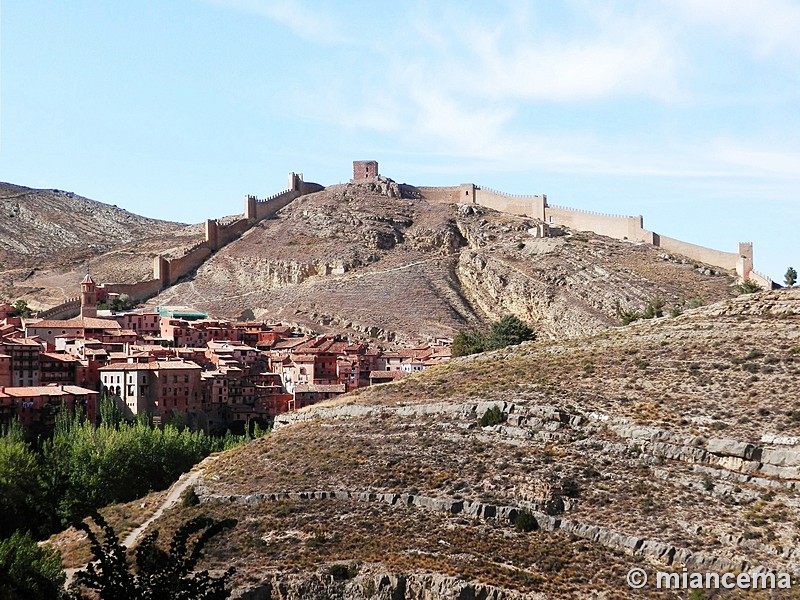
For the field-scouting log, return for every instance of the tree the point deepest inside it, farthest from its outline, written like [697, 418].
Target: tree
[508, 331]
[121, 302]
[791, 277]
[20, 492]
[21, 309]
[158, 574]
[110, 413]
[29, 571]
[468, 342]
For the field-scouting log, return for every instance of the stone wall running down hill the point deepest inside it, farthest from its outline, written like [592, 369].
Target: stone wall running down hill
[376, 260]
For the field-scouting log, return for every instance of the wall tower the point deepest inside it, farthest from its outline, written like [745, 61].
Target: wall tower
[744, 266]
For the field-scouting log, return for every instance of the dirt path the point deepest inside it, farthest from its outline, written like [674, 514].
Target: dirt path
[174, 494]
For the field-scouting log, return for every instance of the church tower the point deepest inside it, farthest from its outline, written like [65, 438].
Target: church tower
[88, 297]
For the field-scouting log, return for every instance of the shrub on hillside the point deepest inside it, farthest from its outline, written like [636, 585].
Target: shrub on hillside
[747, 286]
[508, 331]
[493, 416]
[468, 342]
[156, 573]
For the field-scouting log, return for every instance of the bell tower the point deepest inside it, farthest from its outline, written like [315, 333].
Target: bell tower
[88, 297]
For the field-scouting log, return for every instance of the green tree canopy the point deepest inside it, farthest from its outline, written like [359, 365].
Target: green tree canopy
[29, 571]
[468, 342]
[20, 491]
[21, 309]
[508, 331]
[791, 277]
[748, 286]
[505, 332]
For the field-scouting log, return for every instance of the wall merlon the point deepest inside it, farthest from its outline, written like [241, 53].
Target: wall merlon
[591, 212]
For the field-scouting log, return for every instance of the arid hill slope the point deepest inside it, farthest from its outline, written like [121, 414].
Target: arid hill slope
[48, 237]
[365, 260]
[668, 443]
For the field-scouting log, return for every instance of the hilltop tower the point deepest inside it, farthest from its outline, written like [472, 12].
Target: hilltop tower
[364, 169]
[88, 297]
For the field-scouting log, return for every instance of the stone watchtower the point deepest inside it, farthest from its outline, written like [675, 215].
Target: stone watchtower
[88, 297]
[364, 169]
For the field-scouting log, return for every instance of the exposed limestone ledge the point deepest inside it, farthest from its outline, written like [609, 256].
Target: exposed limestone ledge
[650, 549]
[758, 462]
[378, 586]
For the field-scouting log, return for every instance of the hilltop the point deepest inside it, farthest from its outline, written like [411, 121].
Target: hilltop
[367, 259]
[373, 259]
[48, 237]
[665, 443]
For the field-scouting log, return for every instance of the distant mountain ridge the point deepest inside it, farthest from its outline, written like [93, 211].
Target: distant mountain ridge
[37, 225]
[48, 237]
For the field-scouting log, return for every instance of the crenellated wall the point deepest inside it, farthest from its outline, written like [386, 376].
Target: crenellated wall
[135, 291]
[168, 271]
[228, 233]
[620, 227]
[194, 257]
[528, 206]
[443, 195]
[724, 260]
[66, 310]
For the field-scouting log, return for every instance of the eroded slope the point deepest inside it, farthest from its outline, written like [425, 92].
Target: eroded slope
[668, 443]
[363, 260]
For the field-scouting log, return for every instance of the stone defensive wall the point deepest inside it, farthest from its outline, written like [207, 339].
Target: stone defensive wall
[65, 310]
[227, 233]
[530, 206]
[468, 193]
[135, 291]
[193, 257]
[724, 260]
[168, 271]
[442, 195]
[621, 227]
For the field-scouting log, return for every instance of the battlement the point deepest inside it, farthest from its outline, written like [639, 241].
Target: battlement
[507, 195]
[591, 212]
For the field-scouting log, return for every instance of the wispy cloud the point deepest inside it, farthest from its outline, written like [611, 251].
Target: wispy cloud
[513, 57]
[770, 26]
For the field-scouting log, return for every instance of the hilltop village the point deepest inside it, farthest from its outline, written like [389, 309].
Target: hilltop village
[174, 363]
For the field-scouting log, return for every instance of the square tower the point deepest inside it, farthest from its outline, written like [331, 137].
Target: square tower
[364, 169]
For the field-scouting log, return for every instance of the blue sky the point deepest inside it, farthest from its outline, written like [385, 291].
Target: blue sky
[684, 111]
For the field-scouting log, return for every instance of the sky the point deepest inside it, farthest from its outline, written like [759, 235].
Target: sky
[683, 111]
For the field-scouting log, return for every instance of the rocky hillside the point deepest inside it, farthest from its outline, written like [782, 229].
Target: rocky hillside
[367, 259]
[666, 444]
[49, 237]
